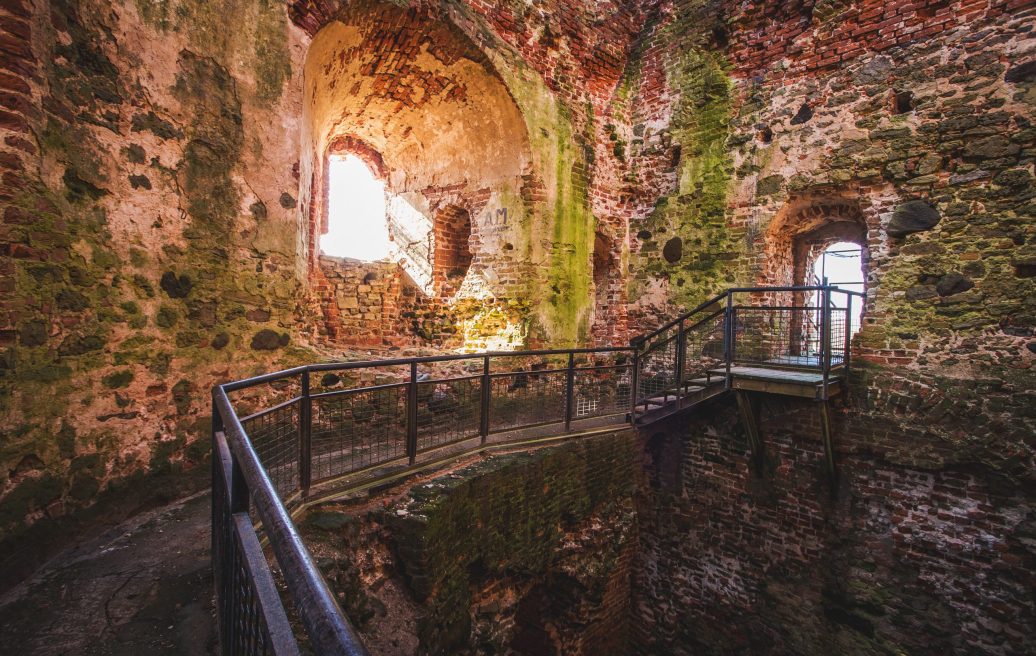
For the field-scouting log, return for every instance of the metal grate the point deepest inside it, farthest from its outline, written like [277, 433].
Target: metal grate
[448, 411]
[247, 602]
[527, 398]
[355, 429]
[274, 434]
[787, 336]
[602, 391]
[703, 347]
[658, 368]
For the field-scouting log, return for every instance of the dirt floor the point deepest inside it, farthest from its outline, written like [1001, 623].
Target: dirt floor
[144, 587]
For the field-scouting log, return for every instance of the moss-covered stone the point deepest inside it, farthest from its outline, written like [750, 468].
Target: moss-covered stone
[118, 379]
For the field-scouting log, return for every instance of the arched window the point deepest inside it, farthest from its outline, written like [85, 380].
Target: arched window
[841, 264]
[356, 225]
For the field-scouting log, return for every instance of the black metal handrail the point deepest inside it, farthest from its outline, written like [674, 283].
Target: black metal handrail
[274, 451]
[769, 328]
[267, 460]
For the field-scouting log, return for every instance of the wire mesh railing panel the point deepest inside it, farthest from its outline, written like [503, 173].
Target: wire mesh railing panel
[658, 369]
[703, 347]
[601, 391]
[240, 569]
[781, 336]
[448, 411]
[838, 318]
[274, 434]
[356, 429]
[245, 634]
[526, 398]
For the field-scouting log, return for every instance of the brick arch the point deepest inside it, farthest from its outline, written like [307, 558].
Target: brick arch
[804, 228]
[416, 99]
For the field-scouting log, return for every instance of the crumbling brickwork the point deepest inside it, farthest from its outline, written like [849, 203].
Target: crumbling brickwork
[587, 170]
[920, 552]
[547, 571]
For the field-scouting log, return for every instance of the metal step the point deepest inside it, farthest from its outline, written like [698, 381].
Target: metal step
[671, 395]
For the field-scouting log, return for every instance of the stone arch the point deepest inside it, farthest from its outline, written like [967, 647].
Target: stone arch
[797, 237]
[549, 280]
[803, 229]
[414, 98]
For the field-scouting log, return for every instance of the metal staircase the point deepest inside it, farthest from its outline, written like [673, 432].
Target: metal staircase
[778, 340]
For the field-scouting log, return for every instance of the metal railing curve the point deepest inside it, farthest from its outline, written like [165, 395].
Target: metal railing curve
[284, 433]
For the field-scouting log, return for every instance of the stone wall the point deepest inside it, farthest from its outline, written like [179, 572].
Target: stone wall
[147, 249]
[160, 205]
[921, 551]
[527, 553]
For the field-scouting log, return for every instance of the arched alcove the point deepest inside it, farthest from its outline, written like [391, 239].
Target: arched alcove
[796, 239]
[803, 229]
[452, 255]
[418, 101]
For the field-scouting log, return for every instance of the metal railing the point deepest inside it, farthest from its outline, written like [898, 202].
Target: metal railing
[769, 327]
[285, 433]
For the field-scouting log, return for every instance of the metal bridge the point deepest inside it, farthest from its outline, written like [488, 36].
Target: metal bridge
[286, 440]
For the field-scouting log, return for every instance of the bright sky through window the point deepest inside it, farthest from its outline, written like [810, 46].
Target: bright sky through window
[842, 265]
[355, 211]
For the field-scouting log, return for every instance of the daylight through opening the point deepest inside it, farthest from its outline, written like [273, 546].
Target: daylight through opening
[841, 264]
[356, 226]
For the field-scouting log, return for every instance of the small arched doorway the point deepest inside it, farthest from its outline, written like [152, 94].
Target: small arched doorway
[810, 239]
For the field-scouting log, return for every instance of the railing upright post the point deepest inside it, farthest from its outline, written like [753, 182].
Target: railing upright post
[411, 415]
[483, 429]
[728, 337]
[681, 354]
[635, 383]
[570, 382]
[239, 497]
[305, 436]
[848, 334]
[825, 337]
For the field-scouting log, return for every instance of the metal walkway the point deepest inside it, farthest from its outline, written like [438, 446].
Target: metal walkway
[284, 439]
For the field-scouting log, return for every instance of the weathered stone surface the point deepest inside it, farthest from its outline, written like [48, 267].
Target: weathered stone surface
[548, 570]
[673, 250]
[953, 283]
[1023, 72]
[804, 114]
[176, 286]
[912, 216]
[269, 340]
[994, 147]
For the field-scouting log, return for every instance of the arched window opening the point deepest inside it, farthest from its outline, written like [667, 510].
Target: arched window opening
[797, 240]
[452, 248]
[356, 224]
[841, 264]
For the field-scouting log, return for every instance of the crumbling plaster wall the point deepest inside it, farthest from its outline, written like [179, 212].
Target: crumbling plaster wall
[154, 241]
[149, 245]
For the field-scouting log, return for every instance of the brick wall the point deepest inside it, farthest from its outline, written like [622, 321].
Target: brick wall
[527, 552]
[921, 551]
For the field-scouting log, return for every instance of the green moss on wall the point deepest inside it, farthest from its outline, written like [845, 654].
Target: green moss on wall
[259, 36]
[692, 220]
[523, 502]
[272, 59]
